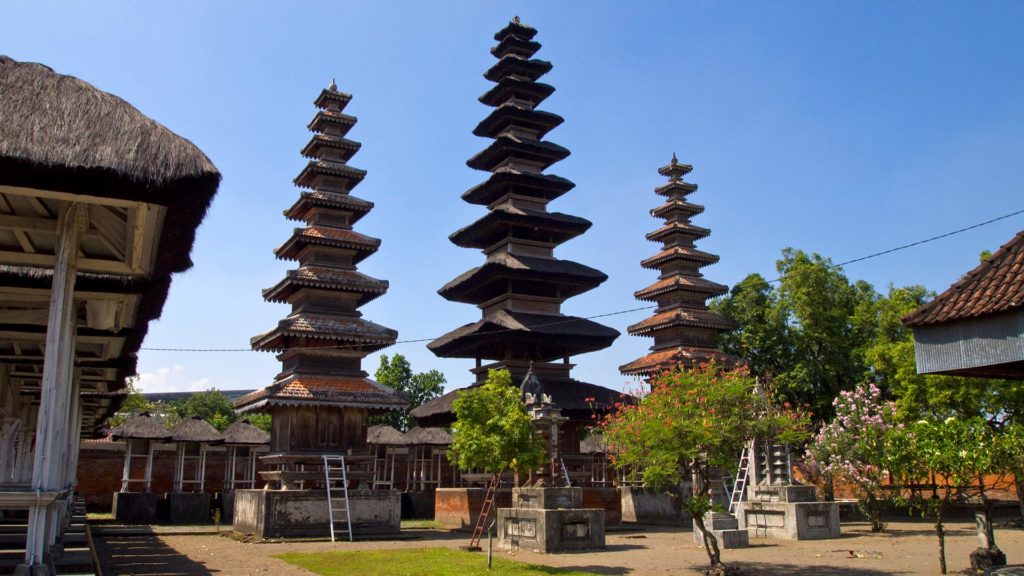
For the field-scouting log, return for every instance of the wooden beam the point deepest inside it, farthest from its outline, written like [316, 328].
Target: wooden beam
[47, 261]
[28, 223]
[35, 193]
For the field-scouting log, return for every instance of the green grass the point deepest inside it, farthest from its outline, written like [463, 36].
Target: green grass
[416, 562]
[419, 524]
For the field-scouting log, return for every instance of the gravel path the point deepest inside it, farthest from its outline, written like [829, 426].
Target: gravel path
[908, 548]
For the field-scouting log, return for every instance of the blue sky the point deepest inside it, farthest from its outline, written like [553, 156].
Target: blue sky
[841, 128]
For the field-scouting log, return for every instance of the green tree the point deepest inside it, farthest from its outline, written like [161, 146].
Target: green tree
[763, 339]
[261, 420]
[134, 403]
[957, 453]
[211, 405]
[492, 431]
[396, 373]
[691, 424]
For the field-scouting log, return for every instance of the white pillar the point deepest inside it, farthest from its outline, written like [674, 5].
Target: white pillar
[58, 367]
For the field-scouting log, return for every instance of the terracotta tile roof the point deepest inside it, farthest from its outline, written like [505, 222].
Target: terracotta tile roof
[310, 198]
[686, 283]
[326, 278]
[681, 317]
[996, 285]
[681, 253]
[668, 188]
[363, 245]
[357, 392]
[664, 359]
[341, 329]
[676, 204]
[678, 227]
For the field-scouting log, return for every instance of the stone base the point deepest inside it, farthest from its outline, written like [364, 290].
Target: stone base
[984, 559]
[789, 512]
[304, 513]
[135, 507]
[646, 506]
[606, 498]
[418, 505]
[227, 507]
[459, 508]
[791, 520]
[725, 529]
[188, 508]
[550, 530]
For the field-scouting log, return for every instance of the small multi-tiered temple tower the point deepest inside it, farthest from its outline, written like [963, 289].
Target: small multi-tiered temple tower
[521, 286]
[321, 399]
[683, 328]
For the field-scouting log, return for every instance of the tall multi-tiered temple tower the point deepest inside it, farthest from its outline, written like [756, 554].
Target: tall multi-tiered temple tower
[683, 328]
[321, 399]
[521, 285]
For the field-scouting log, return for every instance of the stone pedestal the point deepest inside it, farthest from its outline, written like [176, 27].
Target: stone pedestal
[647, 506]
[227, 507]
[135, 507]
[188, 508]
[789, 512]
[550, 520]
[304, 513]
[726, 530]
[459, 508]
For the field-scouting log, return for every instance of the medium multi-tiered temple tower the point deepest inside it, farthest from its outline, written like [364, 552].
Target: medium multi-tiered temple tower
[683, 328]
[521, 286]
[321, 398]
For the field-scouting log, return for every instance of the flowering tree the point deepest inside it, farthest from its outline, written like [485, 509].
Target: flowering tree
[852, 446]
[691, 423]
[958, 453]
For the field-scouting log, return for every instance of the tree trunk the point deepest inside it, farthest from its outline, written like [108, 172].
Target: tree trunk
[710, 542]
[1019, 482]
[942, 542]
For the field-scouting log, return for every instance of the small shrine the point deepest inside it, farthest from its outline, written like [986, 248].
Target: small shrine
[685, 332]
[322, 398]
[243, 442]
[188, 502]
[135, 503]
[548, 515]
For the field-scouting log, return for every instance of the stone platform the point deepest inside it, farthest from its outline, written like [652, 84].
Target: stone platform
[789, 512]
[726, 530]
[304, 513]
[550, 520]
[458, 508]
[647, 506]
[135, 507]
[188, 508]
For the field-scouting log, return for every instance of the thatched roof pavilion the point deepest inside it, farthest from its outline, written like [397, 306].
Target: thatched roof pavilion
[243, 433]
[384, 435]
[195, 429]
[144, 426]
[90, 189]
[428, 437]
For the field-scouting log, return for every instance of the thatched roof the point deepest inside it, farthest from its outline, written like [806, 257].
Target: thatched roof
[428, 437]
[195, 429]
[243, 433]
[142, 426]
[61, 133]
[384, 435]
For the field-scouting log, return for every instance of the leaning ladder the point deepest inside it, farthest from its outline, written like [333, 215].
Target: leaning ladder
[333, 466]
[739, 487]
[565, 472]
[485, 512]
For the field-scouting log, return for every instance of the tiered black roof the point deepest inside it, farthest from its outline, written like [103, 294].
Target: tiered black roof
[683, 328]
[326, 290]
[521, 285]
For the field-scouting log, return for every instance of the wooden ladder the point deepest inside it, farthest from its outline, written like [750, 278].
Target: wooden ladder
[333, 466]
[485, 512]
[739, 486]
[565, 472]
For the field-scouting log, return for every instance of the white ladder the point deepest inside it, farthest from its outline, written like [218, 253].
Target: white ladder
[333, 465]
[565, 472]
[739, 486]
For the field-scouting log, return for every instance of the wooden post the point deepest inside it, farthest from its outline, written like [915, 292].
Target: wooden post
[202, 468]
[58, 367]
[179, 468]
[148, 477]
[126, 475]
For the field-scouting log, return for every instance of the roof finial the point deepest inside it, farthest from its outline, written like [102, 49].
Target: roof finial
[333, 87]
[515, 20]
[674, 160]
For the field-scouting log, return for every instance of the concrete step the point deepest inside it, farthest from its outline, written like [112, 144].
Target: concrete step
[75, 560]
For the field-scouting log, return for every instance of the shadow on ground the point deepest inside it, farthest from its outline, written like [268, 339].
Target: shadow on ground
[773, 569]
[142, 555]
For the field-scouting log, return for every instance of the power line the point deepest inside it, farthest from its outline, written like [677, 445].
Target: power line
[605, 315]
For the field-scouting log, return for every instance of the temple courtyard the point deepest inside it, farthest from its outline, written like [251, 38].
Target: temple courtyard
[907, 547]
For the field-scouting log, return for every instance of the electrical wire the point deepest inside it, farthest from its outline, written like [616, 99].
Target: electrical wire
[607, 314]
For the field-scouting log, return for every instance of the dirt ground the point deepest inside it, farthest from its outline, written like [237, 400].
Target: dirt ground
[906, 548]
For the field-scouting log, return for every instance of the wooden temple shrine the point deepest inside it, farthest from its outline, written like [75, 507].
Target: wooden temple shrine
[521, 285]
[685, 332]
[135, 503]
[322, 399]
[99, 205]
